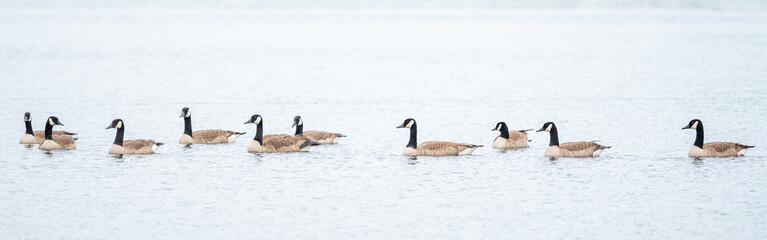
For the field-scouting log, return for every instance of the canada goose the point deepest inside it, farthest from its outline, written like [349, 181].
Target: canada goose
[138, 146]
[277, 142]
[569, 149]
[317, 136]
[37, 137]
[63, 142]
[509, 139]
[433, 148]
[210, 136]
[713, 149]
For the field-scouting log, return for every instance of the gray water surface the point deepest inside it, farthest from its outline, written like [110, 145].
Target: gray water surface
[630, 78]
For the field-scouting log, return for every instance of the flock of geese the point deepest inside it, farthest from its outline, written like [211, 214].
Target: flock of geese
[301, 140]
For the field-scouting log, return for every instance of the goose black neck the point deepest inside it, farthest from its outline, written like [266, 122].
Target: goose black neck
[553, 136]
[299, 129]
[413, 137]
[260, 133]
[699, 135]
[119, 136]
[28, 125]
[188, 126]
[48, 132]
[504, 131]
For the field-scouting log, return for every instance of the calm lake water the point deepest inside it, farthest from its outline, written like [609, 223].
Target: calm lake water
[630, 78]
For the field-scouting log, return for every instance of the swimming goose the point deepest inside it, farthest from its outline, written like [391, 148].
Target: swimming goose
[276, 143]
[509, 139]
[713, 149]
[569, 149]
[210, 136]
[37, 137]
[433, 148]
[63, 142]
[138, 146]
[317, 136]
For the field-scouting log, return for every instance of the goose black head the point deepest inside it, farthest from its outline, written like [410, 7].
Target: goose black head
[547, 127]
[255, 119]
[297, 121]
[498, 126]
[408, 123]
[27, 118]
[117, 123]
[693, 124]
[185, 113]
[53, 121]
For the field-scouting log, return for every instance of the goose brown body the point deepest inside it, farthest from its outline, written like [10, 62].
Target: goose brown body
[719, 149]
[440, 148]
[575, 149]
[516, 139]
[210, 136]
[279, 143]
[323, 137]
[63, 142]
[137, 146]
[40, 136]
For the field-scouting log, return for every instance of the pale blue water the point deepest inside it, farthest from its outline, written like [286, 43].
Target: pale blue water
[629, 77]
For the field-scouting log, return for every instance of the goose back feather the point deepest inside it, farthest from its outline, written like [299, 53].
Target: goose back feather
[442, 148]
[719, 149]
[323, 137]
[575, 149]
[213, 136]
